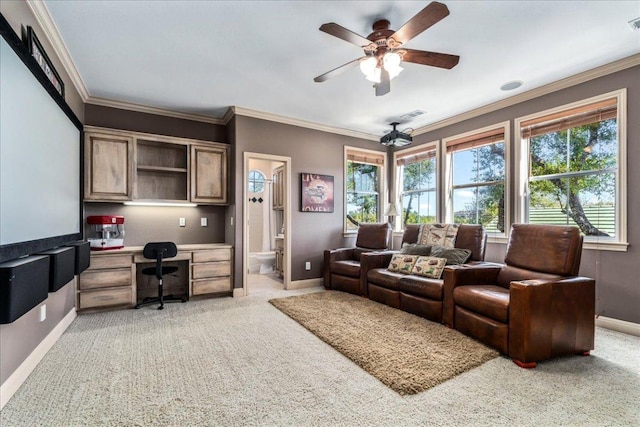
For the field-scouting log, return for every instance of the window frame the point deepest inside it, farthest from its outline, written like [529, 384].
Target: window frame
[253, 181]
[397, 173]
[447, 194]
[382, 188]
[620, 242]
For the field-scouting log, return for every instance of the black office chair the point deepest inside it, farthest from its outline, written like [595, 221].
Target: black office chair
[159, 251]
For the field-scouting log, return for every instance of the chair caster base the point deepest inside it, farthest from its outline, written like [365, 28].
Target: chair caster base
[525, 365]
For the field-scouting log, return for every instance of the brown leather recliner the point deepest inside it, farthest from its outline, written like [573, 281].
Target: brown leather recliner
[532, 308]
[416, 294]
[342, 266]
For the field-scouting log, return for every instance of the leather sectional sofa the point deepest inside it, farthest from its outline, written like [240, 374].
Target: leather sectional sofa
[418, 295]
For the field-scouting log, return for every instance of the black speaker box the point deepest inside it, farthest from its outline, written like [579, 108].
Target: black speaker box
[83, 256]
[24, 283]
[62, 266]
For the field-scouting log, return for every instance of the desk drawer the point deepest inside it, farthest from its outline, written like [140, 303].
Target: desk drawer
[110, 261]
[105, 278]
[104, 298]
[211, 286]
[212, 255]
[211, 269]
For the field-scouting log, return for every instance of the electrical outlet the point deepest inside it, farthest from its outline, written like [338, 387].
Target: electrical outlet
[182, 222]
[43, 312]
[203, 222]
[307, 265]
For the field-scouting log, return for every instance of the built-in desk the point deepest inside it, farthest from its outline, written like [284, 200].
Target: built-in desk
[114, 279]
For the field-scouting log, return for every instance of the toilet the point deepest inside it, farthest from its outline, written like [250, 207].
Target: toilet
[266, 260]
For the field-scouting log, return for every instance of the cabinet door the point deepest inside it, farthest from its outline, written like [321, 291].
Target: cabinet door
[278, 194]
[209, 174]
[108, 164]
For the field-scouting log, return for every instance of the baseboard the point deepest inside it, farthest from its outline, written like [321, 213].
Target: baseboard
[618, 325]
[238, 292]
[308, 283]
[19, 376]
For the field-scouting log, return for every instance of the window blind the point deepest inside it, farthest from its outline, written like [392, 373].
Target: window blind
[365, 157]
[416, 157]
[476, 140]
[567, 119]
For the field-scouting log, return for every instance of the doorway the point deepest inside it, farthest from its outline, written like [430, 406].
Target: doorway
[267, 223]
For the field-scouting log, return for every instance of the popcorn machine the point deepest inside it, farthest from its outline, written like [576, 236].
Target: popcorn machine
[108, 232]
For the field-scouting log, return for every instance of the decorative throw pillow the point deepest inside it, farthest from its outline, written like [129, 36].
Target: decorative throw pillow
[439, 234]
[415, 249]
[401, 263]
[429, 266]
[453, 255]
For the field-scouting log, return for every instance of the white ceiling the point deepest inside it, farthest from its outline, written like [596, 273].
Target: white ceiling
[204, 56]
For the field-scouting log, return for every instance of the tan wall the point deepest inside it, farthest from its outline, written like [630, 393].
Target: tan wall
[616, 273]
[20, 338]
[310, 151]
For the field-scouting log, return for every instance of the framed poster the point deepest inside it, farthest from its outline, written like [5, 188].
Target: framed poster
[41, 57]
[316, 193]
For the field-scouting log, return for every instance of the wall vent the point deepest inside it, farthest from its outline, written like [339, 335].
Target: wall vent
[635, 24]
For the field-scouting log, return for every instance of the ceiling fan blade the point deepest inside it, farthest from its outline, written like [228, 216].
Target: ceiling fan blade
[433, 59]
[341, 69]
[384, 87]
[424, 19]
[342, 33]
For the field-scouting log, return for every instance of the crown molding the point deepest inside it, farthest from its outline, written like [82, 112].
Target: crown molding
[104, 102]
[246, 112]
[613, 67]
[40, 11]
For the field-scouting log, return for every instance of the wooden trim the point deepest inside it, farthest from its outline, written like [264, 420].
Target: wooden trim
[20, 375]
[613, 67]
[130, 106]
[240, 111]
[51, 33]
[623, 326]
[154, 137]
[303, 284]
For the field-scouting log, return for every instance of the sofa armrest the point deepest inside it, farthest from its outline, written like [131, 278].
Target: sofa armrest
[369, 261]
[333, 255]
[465, 274]
[548, 318]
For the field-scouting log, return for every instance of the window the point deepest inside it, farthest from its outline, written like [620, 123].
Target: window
[571, 170]
[256, 181]
[476, 166]
[364, 179]
[416, 170]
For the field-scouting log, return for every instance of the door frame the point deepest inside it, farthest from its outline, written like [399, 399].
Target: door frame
[287, 216]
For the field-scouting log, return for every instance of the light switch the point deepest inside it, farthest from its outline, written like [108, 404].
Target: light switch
[183, 222]
[43, 312]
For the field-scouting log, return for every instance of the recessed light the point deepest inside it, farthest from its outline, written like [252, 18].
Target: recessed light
[635, 24]
[511, 85]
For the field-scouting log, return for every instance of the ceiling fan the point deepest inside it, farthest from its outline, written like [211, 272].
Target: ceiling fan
[384, 50]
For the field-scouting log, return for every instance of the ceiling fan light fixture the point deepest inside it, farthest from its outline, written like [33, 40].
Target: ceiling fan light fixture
[375, 75]
[391, 61]
[368, 66]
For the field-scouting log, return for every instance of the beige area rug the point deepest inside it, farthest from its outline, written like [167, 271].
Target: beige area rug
[407, 353]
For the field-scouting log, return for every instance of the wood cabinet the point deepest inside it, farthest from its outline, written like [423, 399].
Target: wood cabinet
[278, 188]
[279, 267]
[211, 271]
[108, 164]
[161, 171]
[108, 282]
[209, 174]
[123, 166]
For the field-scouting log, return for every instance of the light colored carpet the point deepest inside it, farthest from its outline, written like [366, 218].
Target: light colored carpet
[407, 353]
[242, 362]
